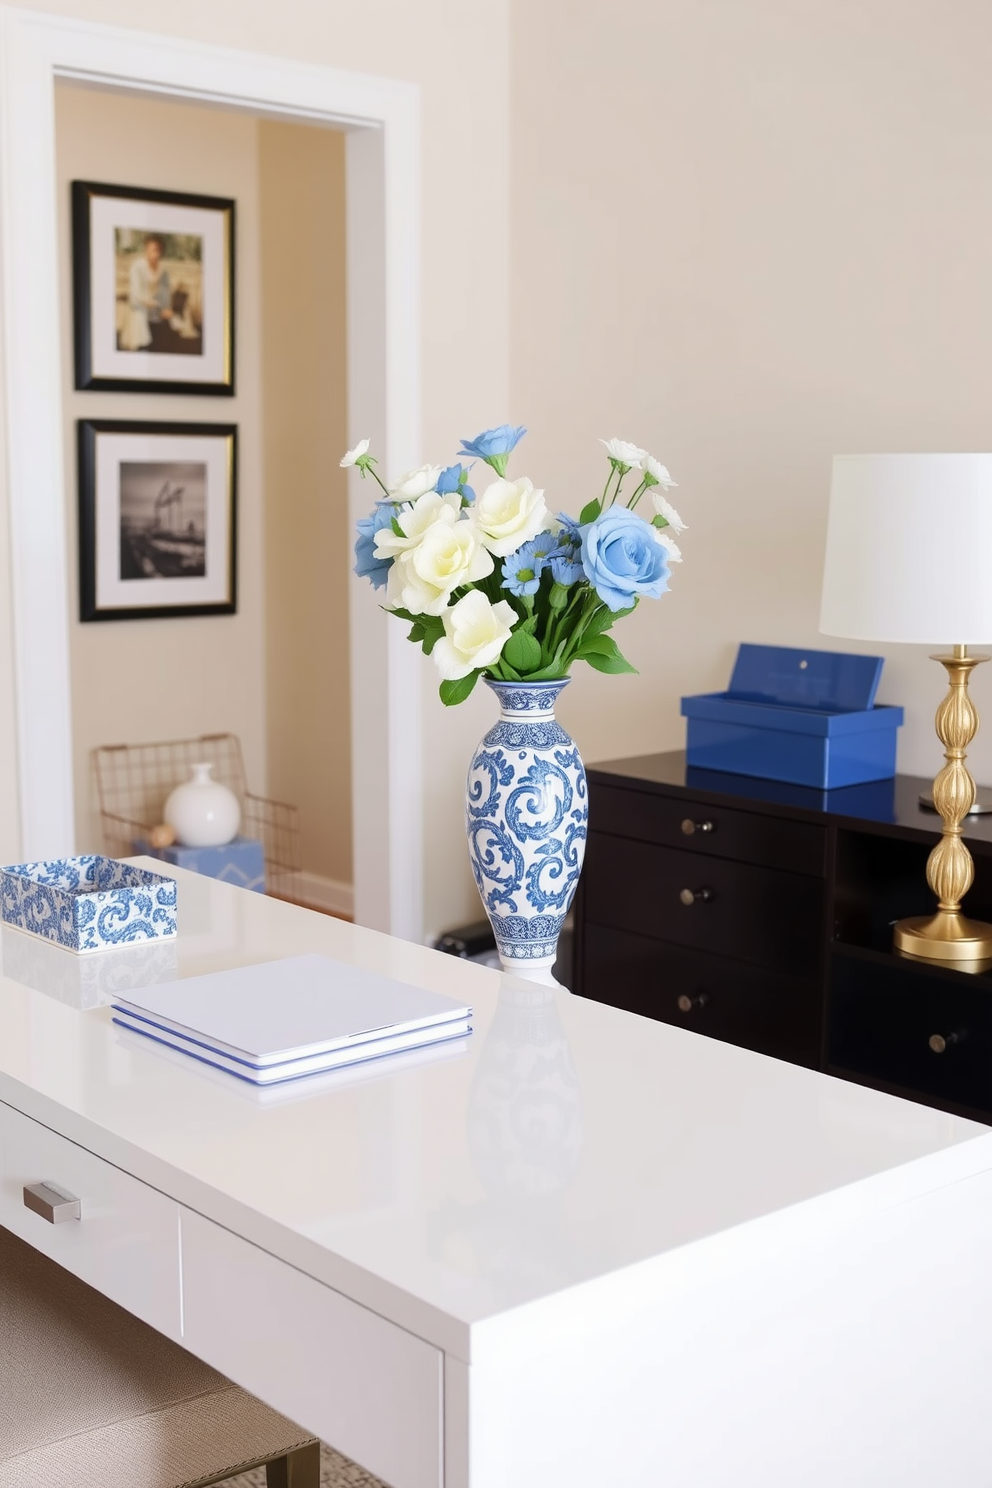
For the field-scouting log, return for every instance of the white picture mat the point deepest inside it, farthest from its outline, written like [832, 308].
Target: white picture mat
[107, 213]
[113, 450]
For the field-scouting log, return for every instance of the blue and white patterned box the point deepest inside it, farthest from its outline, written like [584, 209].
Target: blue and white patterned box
[89, 903]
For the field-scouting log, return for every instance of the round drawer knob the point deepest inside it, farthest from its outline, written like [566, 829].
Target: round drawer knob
[692, 896]
[690, 827]
[940, 1042]
[687, 1001]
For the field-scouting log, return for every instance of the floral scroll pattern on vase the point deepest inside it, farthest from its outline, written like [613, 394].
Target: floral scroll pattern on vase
[526, 818]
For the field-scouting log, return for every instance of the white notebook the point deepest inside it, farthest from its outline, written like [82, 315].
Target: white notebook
[281, 1019]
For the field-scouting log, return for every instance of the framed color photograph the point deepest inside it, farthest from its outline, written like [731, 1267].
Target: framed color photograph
[153, 290]
[157, 519]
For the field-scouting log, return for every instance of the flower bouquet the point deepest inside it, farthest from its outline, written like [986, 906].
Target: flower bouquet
[495, 586]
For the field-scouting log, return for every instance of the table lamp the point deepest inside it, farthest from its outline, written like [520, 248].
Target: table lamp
[909, 559]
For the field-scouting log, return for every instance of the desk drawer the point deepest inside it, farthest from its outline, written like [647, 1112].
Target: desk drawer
[341, 1371]
[751, 914]
[716, 831]
[126, 1240]
[882, 1021]
[762, 1010]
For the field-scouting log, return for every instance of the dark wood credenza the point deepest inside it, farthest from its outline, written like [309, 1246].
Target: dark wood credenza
[761, 914]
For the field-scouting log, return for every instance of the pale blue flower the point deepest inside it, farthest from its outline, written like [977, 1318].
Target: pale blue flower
[622, 559]
[368, 566]
[453, 479]
[522, 570]
[493, 445]
[567, 569]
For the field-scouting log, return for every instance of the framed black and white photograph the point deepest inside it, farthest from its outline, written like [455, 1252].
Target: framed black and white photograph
[153, 290]
[157, 519]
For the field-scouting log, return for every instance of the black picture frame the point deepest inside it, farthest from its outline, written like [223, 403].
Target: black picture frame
[99, 362]
[105, 589]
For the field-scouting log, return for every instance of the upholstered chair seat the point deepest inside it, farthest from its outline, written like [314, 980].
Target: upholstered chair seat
[92, 1398]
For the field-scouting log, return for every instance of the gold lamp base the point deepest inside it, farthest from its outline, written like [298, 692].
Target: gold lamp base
[949, 935]
[944, 936]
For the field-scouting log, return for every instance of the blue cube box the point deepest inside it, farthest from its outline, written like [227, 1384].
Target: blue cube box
[240, 862]
[803, 717]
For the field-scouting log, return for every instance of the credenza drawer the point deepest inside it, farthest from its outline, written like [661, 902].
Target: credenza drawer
[753, 914]
[126, 1240]
[716, 831]
[340, 1370]
[762, 1010]
[922, 1034]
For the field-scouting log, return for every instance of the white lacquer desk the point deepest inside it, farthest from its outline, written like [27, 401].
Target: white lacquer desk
[586, 1249]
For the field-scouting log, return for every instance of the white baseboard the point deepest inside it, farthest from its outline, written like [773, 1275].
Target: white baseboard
[327, 893]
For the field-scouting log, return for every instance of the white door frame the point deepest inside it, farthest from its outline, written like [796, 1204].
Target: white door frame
[381, 117]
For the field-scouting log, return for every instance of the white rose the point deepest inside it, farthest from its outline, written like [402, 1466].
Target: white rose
[666, 510]
[507, 514]
[658, 473]
[354, 455]
[669, 544]
[415, 483]
[475, 632]
[624, 452]
[423, 578]
[416, 520]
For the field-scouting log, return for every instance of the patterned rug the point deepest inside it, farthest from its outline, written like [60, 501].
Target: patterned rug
[335, 1472]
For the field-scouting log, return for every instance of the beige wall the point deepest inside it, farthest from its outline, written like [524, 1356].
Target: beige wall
[307, 535]
[458, 51]
[748, 234]
[143, 680]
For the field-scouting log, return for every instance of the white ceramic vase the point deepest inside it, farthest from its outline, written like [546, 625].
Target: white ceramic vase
[202, 812]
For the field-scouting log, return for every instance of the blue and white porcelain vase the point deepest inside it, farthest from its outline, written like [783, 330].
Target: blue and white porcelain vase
[526, 815]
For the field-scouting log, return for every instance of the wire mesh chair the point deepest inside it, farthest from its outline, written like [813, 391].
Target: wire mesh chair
[134, 780]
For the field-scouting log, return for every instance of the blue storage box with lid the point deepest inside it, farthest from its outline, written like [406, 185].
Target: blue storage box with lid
[805, 717]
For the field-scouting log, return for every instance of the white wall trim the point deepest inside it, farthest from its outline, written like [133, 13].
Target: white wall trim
[384, 278]
[327, 894]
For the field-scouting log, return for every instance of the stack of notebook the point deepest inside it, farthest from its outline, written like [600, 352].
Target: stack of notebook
[281, 1020]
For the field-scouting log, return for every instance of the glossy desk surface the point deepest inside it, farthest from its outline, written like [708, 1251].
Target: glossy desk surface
[566, 1142]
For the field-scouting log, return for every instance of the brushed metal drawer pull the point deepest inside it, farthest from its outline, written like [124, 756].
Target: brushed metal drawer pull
[940, 1042]
[690, 827]
[686, 1003]
[692, 896]
[51, 1202]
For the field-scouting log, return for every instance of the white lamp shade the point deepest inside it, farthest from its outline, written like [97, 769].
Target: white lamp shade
[909, 549]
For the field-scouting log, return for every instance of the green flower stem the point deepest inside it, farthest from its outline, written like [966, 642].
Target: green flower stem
[375, 476]
[621, 472]
[602, 499]
[645, 483]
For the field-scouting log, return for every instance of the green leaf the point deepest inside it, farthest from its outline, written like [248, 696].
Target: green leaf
[659, 521]
[416, 632]
[589, 512]
[405, 615]
[522, 651]
[613, 664]
[598, 645]
[397, 528]
[456, 692]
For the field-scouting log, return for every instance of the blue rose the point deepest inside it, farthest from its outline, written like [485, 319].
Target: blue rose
[368, 566]
[622, 558]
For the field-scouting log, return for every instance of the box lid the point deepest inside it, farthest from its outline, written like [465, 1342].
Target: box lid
[827, 681]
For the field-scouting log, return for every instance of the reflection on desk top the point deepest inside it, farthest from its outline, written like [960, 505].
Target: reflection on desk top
[566, 1141]
[893, 803]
